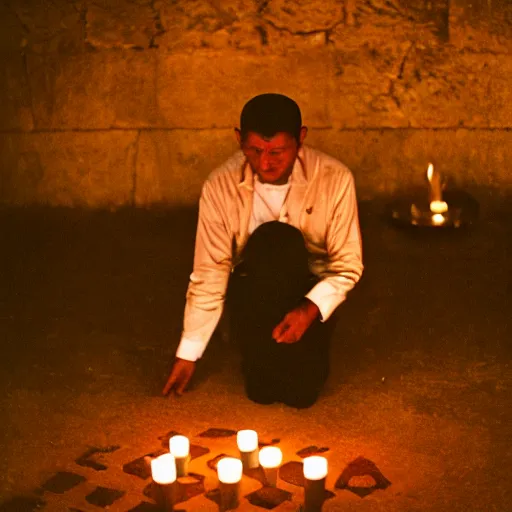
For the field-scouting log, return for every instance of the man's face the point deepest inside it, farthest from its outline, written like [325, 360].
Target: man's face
[271, 159]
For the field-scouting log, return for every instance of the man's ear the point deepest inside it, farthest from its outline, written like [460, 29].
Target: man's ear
[238, 134]
[303, 133]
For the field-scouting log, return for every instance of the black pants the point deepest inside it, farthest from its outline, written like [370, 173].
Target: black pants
[269, 282]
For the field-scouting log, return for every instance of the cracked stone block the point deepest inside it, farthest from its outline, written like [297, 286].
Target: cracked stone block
[22, 504]
[217, 432]
[93, 169]
[140, 467]
[166, 175]
[228, 81]
[269, 497]
[297, 16]
[49, 26]
[127, 24]
[63, 481]
[104, 496]
[92, 458]
[293, 473]
[312, 450]
[362, 467]
[186, 488]
[15, 94]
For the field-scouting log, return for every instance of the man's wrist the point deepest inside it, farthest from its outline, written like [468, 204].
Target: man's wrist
[310, 308]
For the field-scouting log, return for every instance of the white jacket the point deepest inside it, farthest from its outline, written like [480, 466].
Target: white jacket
[321, 203]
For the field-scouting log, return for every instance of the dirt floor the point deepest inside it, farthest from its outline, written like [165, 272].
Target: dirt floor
[90, 316]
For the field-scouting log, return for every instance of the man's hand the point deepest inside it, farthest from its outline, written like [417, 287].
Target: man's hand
[181, 373]
[296, 322]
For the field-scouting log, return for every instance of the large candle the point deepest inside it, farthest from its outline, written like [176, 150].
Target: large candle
[247, 441]
[179, 446]
[270, 460]
[163, 472]
[229, 472]
[315, 473]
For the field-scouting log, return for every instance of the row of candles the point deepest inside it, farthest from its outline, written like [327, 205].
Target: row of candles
[167, 468]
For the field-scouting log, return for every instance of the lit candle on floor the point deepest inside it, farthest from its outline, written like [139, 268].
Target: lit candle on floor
[163, 472]
[438, 219]
[229, 472]
[270, 460]
[247, 441]
[179, 446]
[315, 473]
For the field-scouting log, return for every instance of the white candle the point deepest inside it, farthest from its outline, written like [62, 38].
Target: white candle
[438, 219]
[163, 469]
[247, 441]
[229, 470]
[315, 473]
[315, 467]
[179, 446]
[270, 459]
[438, 206]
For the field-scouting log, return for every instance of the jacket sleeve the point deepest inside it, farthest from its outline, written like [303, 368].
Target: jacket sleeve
[344, 251]
[208, 281]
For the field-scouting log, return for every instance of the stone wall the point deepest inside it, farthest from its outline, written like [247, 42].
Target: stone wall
[106, 103]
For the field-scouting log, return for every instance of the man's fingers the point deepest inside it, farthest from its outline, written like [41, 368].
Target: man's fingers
[180, 389]
[169, 385]
[280, 330]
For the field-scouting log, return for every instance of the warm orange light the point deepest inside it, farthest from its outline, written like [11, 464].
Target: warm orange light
[163, 469]
[438, 219]
[430, 172]
[438, 206]
[270, 457]
[229, 470]
[315, 467]
[179, 446]
[247, 440]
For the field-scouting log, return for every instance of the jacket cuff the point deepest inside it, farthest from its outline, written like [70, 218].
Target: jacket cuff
[190, 350]
[326, 297]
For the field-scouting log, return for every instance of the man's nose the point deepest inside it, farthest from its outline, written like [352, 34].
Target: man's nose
[264, 161]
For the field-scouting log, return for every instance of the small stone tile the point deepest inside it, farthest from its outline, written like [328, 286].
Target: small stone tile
[165, 437]
[272, 442]
[312, 450]
[22, 504]
[90, 457]
[213, 495]
[63, 481]
[293, 473]
[217, 432]
[104, 497]
[140, 467]
[212, 463]
[269, 497]
[145, 506]
[256, 473]
[198, 451]
[187, 487]
[362, 467]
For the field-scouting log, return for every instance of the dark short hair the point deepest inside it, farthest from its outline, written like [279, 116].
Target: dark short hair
[268, 114]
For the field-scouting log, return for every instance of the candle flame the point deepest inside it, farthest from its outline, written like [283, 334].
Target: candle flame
[430, 171]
